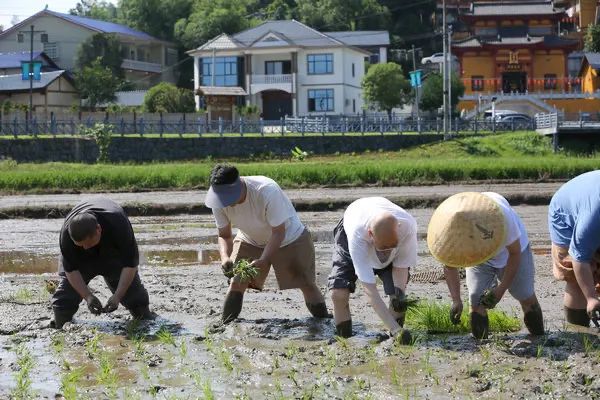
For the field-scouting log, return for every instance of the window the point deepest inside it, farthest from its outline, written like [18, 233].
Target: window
[477, 83]
[320, 100]
[51, 50]
[550, 81]
[226, 71]
[320, 64]
[172, 56]
[353, 70]
[540, 30]
[278, 67]
[20, 38]
[44, 38]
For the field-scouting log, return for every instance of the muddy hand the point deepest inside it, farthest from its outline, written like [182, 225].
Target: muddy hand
[455, 312]
[488, 299]
[593, 310]
[94, 304]
[111, 305]
[227, 268]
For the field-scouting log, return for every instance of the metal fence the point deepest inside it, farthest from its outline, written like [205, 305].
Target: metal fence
[144, 124]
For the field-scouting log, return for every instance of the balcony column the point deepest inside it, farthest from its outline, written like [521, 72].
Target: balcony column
[295, 82]
[197, 82]
[248, 71]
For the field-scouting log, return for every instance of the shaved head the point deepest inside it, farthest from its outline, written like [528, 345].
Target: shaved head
[383, 228]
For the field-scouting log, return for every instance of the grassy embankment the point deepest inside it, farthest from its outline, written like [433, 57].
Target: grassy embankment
[518, 156]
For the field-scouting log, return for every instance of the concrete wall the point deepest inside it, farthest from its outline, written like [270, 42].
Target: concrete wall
[148, 149]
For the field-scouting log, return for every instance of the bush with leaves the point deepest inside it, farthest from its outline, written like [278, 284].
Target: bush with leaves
[97, 84]
[385, 86]
[168, 98]
[102, 134]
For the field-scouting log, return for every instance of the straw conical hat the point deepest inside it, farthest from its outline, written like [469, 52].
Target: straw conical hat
[467, 229]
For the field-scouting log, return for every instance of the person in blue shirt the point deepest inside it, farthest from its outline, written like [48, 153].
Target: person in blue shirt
[574, 223]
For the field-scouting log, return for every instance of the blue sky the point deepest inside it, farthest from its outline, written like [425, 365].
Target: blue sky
[25, 8]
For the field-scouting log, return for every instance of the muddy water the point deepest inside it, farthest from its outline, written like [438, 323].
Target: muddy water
[274, 350]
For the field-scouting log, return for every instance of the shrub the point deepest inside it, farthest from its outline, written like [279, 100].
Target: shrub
[166, 97]
[102, 134]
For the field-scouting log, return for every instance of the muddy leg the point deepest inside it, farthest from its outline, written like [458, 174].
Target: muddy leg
[575, 305]
[65, 303]
[533, 317]
[480, 324]
[232, 306]
[315, 302]
[136, 298]
[341, 312]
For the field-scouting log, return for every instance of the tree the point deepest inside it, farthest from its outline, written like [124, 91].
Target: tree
[385, 86]
[432, 97]
[155, 17]
[103, 47]
[592, 39]
[337, 15]
[213, 17]
[166, 97]
[97, 9]
[96, 83]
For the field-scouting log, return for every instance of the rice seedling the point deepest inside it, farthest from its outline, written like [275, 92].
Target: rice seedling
[225, 358]
[57, 342]
[207, 391]
[292, 377]
[244, 270]
[139, 346]
[291, 351]
[25, 364]
[183, 349]
[69, 383]
[165, 336]
[434, 317]
[92, 345]
[107, 376]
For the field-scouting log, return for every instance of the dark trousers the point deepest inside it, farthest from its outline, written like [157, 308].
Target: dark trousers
[66, 299]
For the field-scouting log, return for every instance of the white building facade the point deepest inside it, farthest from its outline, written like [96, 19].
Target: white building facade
[285, 68]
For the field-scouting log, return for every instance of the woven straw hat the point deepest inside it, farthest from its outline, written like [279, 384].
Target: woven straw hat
[467, 229]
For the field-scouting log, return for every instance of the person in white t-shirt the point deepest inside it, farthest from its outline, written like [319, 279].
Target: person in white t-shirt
[483, 232]
[269, 233]
[375, 237]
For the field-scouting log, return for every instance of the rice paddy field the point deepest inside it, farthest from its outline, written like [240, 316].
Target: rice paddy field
[275, 350]
[523, 156]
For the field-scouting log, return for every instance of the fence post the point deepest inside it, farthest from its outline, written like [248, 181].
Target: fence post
[72, 127]
[303, 125]
[161, 126]
[381, 126]
[183, 127]
[261, 124]
[242, 126]
[476, 125]
[122, 126]
[493, 124]
[437, 125]
[199, 124]
[53, 123]
[206, 125]
[456, 120]
[282, 121]
[221, 126]
[142, 127]
[362, 125]
[134, 122]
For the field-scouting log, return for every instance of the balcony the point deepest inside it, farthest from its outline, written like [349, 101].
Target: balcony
[143, 66]
[283, 82]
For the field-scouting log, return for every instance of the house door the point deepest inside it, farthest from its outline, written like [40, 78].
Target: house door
[514, 82]
[276, 104]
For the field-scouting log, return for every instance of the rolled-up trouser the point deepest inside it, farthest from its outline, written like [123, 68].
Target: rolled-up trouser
[485, 276]
[67, 300]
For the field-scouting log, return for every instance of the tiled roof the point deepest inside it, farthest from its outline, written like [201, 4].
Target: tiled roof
[14, 83]
[13, 59]
[550, 41]
[295, 31]
[221, 91]
[493, 8]
[103, 26]
[593, 59]
[362, 38]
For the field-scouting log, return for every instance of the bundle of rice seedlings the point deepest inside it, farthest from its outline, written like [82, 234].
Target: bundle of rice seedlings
[244, 270]
[434, 317]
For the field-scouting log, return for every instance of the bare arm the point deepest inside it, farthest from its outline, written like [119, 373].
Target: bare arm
[76, 280]
[225, 243]
[400, 277]
[127, 276]
[453, 281]
[511, 269]
[274, 243]
[585, 279]
[380, 308]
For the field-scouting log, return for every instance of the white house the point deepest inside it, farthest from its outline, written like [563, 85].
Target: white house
[146, 59]
[286, 69]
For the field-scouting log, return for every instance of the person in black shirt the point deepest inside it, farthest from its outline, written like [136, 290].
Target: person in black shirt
[97, 239]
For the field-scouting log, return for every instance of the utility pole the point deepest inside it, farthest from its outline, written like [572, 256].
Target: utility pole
[416, 91]
[31, 75]
[450, 69]
[445, 69]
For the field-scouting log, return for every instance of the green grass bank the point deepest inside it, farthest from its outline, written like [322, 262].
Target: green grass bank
[516, 156]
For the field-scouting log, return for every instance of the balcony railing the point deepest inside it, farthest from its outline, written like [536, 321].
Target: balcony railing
[271, 79]
[141, 66]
